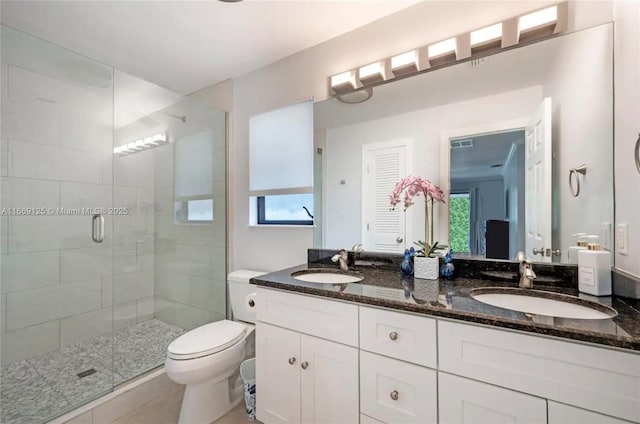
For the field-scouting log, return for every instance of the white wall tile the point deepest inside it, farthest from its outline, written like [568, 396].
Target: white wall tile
[145, 309]
[125, 197]
[3, 313]
[145, 254]
[219, 164]
[4, 78]
[4, 157]
[208, 293]
[34, 123]
[4, 239]
[29, 307]
[145, 201]
[32, 87]
[125, 258]
[85, 263]
[22, 271]
[84, 131]
[27, 193]
[37, 233]
[107, 291]
[132, 286]
[84, 326]
[31, 160]
[173, 286]
[134, 170]
[30, 341]
[81, 195]
[183, 316]
[124, 315]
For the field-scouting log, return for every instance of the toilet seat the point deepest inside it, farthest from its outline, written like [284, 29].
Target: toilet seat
[206, 340]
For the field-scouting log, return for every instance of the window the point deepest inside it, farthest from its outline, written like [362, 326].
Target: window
[281, 165]
[194, 211]
[460, 229]
[288, 209]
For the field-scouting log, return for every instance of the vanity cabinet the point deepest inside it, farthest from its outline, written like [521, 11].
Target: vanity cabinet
[603, 380]
[464, 401]
[302, 378]
[325, 361]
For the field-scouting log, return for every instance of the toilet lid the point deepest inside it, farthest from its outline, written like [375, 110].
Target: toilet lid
[207, 339]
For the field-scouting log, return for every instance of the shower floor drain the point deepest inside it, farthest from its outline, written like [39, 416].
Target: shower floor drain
[87, 373]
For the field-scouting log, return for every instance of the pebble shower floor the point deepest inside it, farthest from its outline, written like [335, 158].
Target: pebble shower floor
[37, 389]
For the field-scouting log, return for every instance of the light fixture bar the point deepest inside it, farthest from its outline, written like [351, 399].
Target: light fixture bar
[529, 27]
[538, 19]
[343, 82]
[141, 144]
[486, 35]
[373, 72]
[442, 48]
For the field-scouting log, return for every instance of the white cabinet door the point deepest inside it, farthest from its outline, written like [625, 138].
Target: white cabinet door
[565, 414]
[464, 401]
[277, 375]
[329, 382]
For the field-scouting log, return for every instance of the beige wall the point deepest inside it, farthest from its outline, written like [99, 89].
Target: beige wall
[305, 74]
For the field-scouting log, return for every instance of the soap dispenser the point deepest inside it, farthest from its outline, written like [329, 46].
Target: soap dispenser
[594, 269]
[580, 244]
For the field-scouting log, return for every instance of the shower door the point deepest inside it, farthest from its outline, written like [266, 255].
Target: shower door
[56, 233]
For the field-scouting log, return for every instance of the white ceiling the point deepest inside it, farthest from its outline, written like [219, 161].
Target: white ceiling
[189, 45]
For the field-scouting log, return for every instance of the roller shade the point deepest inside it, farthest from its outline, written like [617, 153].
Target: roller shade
[281, 151]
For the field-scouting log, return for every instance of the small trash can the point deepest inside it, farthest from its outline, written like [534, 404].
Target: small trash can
[248, 375]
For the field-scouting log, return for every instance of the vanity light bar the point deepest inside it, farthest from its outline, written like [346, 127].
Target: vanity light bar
[343, 82]
[373, 72]
[524, 28]
[538, 19]
[142, 144]
[486, 35]
[442, 48]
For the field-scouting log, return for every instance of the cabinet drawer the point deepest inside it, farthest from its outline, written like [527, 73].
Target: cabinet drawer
[403, 336]
[564, 414]
[327, 319]
[368, 420]
[393, 391]
[599, 379]
[464, 401]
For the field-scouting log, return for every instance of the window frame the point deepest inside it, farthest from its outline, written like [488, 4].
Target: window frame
[262, 220]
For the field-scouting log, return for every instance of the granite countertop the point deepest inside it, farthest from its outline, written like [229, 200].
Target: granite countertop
[451, 299]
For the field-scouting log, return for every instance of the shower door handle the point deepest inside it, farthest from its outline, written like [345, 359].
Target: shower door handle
[97, 228]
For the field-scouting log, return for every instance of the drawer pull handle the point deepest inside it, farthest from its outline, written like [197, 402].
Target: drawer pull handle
[304, 365]
[394, 395]
[292, 361]
[252, 303]
[393, 336]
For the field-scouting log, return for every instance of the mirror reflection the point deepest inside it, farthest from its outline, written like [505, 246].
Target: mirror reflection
[499, 135]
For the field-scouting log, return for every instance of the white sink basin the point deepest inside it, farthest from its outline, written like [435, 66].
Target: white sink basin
[543, 303]
[326, 277]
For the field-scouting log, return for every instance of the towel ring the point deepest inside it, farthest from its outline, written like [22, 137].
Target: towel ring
[573, 175]
[637, 153]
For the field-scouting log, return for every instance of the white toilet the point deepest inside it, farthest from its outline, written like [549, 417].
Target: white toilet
[207, 359]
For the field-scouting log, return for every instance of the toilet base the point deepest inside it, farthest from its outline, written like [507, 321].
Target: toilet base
[206, 402]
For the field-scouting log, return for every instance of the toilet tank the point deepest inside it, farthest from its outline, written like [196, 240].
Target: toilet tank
[239, 294]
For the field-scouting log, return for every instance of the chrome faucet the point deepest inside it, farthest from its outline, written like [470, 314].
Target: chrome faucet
[342, 257]
[526, 274]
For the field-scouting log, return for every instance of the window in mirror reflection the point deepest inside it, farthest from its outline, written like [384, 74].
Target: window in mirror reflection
[286, 209]
[460, 220]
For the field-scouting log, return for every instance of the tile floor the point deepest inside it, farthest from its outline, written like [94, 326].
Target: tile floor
[37, 389]
[166, 408]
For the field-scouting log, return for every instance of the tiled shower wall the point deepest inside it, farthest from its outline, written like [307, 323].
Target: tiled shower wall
[190, 258]
[57, 286]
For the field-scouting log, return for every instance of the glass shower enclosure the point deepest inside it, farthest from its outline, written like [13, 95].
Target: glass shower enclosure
[113, 226]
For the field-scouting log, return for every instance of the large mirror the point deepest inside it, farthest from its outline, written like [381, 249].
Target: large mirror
[521, 143]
